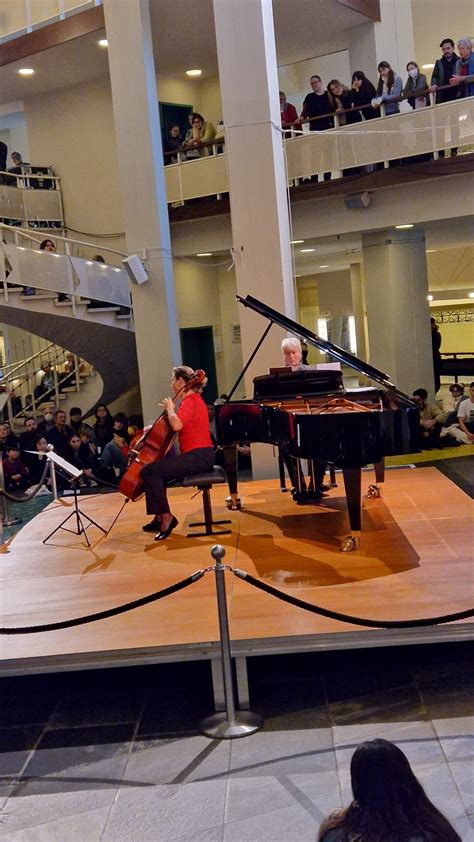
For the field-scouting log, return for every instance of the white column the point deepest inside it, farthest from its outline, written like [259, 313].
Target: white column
[398, 315]
[359, 309]
[135, 102]
[390, 39]
[257, 176]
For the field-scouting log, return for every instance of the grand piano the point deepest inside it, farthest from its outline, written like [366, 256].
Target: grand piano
[309, 415]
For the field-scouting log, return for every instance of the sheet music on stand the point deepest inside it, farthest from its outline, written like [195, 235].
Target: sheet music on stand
[64, 464]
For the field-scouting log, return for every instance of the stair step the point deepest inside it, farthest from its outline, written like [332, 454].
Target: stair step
[14, 289]
[40, 296]
[124, 316]
[110, 309]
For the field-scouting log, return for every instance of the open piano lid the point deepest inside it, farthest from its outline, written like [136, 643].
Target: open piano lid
[323, 345]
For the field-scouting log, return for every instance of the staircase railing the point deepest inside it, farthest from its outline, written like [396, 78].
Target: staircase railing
[21, 382]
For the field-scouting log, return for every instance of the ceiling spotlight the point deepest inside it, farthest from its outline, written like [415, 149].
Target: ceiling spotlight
[306, 251]
[431, 251]
[204, 254]
[404, 227]
[325, 266]
[429, 297]
[193, 72]
[26, 71]
[296, 242]
[427, 66]
[103, 42]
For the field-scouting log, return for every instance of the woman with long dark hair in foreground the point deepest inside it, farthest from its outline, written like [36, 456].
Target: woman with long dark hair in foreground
[389, 805]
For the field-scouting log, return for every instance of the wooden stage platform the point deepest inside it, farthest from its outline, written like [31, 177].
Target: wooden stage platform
[414, 560]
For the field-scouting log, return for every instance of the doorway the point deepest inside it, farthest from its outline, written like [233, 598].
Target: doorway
[197, 346]
[173, 114]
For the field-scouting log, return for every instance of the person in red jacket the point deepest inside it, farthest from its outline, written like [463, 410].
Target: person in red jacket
[288, 113]
[191, 422]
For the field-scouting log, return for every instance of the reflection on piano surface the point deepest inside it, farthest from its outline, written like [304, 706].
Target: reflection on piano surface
[309, 415]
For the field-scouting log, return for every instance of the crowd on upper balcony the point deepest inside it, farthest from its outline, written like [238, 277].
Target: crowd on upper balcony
[363, 99]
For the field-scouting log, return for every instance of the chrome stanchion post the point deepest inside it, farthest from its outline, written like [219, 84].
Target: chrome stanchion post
[230, 723]
[54, 483]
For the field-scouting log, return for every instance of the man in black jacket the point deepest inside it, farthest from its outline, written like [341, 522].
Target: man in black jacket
[444, 68]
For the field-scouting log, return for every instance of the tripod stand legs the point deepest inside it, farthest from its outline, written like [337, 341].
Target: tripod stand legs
[81, 527]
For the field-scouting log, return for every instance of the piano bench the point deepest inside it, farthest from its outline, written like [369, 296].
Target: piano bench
[204, 483]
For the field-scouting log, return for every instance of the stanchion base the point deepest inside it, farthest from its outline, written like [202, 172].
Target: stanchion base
[219, 727]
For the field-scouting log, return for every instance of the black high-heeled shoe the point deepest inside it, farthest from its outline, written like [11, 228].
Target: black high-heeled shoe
[152, 526]
[161, 536]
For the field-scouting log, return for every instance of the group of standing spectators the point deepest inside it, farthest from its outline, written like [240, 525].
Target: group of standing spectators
[363, 99]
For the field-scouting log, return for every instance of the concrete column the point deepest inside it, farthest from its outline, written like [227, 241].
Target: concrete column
[257, 176]
[390, 39]
[398, 314]
[135, 103]
[359, 309]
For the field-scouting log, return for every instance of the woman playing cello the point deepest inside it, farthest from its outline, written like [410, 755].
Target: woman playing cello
[196, 456]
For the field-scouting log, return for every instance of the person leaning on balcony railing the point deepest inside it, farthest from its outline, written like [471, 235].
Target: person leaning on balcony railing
[201, 131]
[415, 85]
[340, 98]
[316, 104]
[172, 143]
[389, 89]
[464, 67]
[444, 69]
[288, 113]
[362, 93]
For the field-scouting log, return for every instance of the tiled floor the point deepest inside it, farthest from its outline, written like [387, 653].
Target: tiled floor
[116, 755]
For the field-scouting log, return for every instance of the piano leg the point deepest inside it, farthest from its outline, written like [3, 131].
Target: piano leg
[352, 484]
[281, 470]
[332, 475]
[230, 467]
[374, 489]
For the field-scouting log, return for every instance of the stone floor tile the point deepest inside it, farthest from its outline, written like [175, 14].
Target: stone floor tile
[23, 811]
[15, 747]
[286, 752]
[212, 834]
[418, 740]
[247, 797]
[282, 825]
[399, 705]
[99, 706]
[162, 760]
[456, 737]
[165, 813]
[463, 774]
[321, 788]
[439, 785]
[82, 827]
[75, 759]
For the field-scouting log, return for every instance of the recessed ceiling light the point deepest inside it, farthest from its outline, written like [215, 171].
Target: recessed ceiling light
[306, 251]
[429, 297]
[296, 242]
[204, 254]
[403, 227]
[427, 66]
[431, 251]
[324, 266]
[297, 276]
[193, 72]
[471, 295]
[103, 42]
[26, 71]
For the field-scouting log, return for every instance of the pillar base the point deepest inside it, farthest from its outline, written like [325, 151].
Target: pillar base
[219, 727]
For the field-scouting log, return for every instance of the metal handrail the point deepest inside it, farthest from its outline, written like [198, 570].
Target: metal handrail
[27, 175]
[26, 234]
[28, 359]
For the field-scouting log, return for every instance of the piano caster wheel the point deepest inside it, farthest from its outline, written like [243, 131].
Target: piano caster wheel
[373, 492]
[233, 503]
[350, 543]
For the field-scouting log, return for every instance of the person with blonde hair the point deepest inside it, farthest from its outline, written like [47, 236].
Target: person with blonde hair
[293, 353]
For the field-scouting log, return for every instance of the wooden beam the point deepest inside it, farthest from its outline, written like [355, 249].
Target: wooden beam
[52, 35]
[369, 8]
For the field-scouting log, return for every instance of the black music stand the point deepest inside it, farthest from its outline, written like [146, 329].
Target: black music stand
[73, 476]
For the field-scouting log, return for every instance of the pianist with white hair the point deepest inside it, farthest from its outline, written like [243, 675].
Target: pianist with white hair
[293, 353]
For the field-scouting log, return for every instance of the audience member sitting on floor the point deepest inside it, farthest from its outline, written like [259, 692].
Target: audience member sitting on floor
[7, 439]
[114, 460]
[59, 435]
[14, 472]
[452, 401]
[466, 414]
[389, 89]
[81, 457]
[201, 131]
[103, 427]
[121, 425]
[76, 423]
[37, 464]
[389, 805]
[28, 441]
[47, 423]
[432, 418]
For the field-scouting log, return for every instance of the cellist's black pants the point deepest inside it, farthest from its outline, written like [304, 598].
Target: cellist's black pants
[158, 474]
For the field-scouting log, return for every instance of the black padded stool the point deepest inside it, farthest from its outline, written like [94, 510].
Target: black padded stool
[204, 483]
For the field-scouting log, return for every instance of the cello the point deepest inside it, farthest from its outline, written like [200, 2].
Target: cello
[151, 446]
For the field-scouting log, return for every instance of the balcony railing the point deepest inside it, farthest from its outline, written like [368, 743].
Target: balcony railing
[31, 199]
[424, 131]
